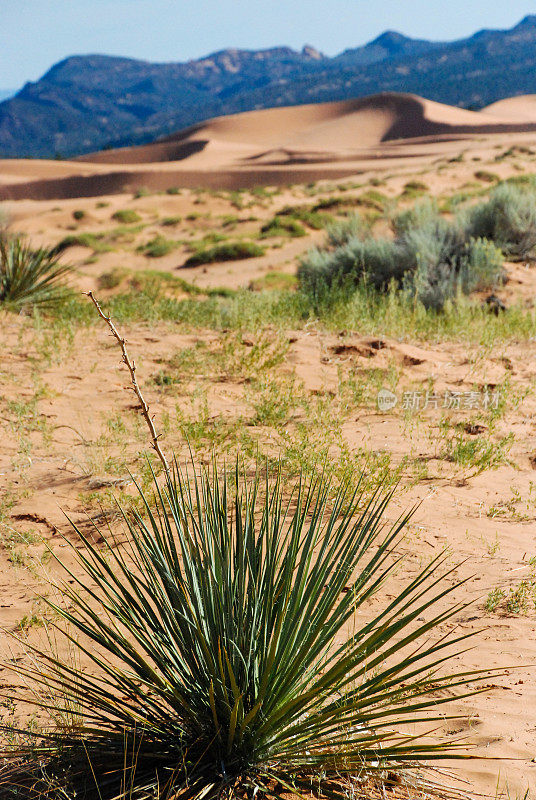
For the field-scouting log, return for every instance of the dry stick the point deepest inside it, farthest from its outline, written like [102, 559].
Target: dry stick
[135, 388]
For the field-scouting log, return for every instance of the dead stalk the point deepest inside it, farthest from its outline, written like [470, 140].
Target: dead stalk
[155, 444]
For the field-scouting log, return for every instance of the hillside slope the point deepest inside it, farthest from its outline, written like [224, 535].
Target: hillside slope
[85, 103]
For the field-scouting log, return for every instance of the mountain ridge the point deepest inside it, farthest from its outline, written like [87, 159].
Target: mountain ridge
[89, 102]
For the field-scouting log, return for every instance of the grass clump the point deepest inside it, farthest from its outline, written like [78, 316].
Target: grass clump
[273, 280]
[226, 251]
[486, 177]
[4, 221]
[141, 192]
[220, 659]
[414, 189]
[508, 219]
[29, 277]
[158, 247]
[282, 226]
[430, 258]
[340, 232]
[93, 241]
[78, 214]
[155, 286]
[309, 216]
[126, 216]
[374, 200]
[112, 279]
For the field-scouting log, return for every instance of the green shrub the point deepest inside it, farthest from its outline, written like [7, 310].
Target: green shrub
[171, 221]
[227, 251]
[4, 221]
[158, 247]
[79, 214]
[324, 271]
[414, 189]
[313, 219]
[273, 280]
[430, 258]
[282, 226]
[440, 274]
[416, 186]
[227, 655]
[340, 232]
[29, 277]
[112, 279]
[486, 177]
[331, 203]
[141, 192]
[90, 240]
[126, 216]
[508, 218]
[374, 200]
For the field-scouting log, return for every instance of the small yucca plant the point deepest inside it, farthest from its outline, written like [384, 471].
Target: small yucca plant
[28, 277]
[231, 650]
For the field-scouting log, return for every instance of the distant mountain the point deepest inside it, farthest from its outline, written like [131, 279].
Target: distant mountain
[389, 45]
[5, 93]
[86, 103]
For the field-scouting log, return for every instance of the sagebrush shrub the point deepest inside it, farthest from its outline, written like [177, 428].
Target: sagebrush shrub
[431, 258]
[508, 219]
[341, 231]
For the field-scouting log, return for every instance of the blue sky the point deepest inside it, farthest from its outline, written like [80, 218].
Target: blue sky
[34, 34]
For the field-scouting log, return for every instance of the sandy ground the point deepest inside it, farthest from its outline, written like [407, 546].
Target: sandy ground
[63, 449]
[277, 146]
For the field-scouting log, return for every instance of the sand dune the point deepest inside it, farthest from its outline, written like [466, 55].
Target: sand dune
[522, 109]
[274, 146]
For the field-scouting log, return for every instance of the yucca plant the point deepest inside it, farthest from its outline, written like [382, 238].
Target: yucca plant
[27, 276]
[231, 649]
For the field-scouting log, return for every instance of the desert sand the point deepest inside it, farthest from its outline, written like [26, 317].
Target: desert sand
[63, 402]
[276, 146]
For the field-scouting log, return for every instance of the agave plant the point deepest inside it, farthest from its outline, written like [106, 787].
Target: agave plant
[231, 649]
[27, 276]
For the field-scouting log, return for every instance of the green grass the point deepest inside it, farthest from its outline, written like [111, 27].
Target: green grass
[308, 215]
[227, 251]
[486, 177]
[158, 247]
[414, 189]
[273, 280]
[156, 284]
[282, 226]
[126, 216]
[369, 312]
[374, 200]
[141, 192]
[93, 241]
